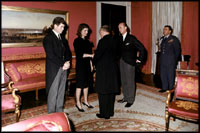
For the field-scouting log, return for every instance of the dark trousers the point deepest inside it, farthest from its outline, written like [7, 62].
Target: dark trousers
[128, 81]
[106, 104]
[55, 99]
[167, 75]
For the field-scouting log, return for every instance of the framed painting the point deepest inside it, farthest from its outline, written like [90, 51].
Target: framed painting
[23, 27]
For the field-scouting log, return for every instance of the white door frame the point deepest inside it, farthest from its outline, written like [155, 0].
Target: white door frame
[98, 9]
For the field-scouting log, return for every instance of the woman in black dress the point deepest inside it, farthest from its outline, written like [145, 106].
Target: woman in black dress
[83, 50]
[107, 73]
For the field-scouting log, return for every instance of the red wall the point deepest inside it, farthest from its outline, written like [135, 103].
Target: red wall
[190, 32]
[141, 15]
[79, 12]
[141, 27]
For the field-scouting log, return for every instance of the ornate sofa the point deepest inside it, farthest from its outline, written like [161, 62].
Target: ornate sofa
[28, 72]
[49, 122]
[27, 75]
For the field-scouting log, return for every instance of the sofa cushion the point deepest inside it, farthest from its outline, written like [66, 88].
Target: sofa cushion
[30, 83]
[13, 72]
[33, 68]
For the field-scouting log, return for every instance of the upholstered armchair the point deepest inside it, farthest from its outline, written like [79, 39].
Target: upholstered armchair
[9, 100]
[48, 122]
[184, 102]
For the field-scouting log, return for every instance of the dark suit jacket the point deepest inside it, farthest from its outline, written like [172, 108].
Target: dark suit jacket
[129, 49]
[107, 71]
[57, 53]
[170, 51]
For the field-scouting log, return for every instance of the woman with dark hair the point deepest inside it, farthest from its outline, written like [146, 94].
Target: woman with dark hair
[83, 51]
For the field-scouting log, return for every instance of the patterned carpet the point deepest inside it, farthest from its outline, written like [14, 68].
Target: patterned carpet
[146, 114]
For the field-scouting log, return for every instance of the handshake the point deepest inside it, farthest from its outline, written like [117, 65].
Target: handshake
[88, 55]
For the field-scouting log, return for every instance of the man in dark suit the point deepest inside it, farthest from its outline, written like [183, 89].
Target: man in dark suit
[170, 53]
[130, 46]
[107, 73]
[58, 56]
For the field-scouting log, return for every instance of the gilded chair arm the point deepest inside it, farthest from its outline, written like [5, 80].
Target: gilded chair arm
[10, 90]
[13, 92]
[169, 92]
[16, 98]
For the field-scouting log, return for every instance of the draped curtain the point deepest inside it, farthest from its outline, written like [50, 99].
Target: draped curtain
[164, 13]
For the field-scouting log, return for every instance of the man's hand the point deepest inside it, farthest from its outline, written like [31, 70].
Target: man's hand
[66, 65]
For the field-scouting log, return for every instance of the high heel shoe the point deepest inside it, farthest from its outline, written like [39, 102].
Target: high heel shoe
[89, 106]
[81, 110]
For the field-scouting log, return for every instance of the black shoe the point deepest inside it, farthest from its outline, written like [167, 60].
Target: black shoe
[162, 91]
[89, 106]
[112, 115]
[128, 104]
[107, 117]
[99, 116]
[81, 110]
[121, 101]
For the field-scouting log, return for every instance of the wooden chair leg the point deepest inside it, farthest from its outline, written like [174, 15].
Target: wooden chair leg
[36, 94]
[17, 112]
[167, 118]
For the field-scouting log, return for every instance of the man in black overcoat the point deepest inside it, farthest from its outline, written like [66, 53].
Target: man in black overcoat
[107, 73]
[170, 53]
[130, 46]
[58, 56]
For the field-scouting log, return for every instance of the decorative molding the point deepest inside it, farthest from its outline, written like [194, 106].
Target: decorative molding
[23, 56]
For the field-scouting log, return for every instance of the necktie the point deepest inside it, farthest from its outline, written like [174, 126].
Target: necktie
[59, 37]
[164, 39]
[60, 40]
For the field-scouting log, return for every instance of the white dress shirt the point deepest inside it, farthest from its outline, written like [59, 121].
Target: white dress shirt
[57, 34]
[124, 36]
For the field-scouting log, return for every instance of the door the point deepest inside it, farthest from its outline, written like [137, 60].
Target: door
[112, 15]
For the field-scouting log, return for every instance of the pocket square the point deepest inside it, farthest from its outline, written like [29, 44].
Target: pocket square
[127, 43]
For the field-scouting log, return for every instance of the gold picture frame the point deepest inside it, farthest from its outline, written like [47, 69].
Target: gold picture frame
[23, 27]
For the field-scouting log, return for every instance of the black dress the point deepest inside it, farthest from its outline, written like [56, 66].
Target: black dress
[83, 68]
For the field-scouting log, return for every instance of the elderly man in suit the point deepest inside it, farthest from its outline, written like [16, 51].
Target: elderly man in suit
[170, 53]
[107, 73]
[130, 46]
[58, 56]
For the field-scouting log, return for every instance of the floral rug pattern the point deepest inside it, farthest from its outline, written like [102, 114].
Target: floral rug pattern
[146, 114]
